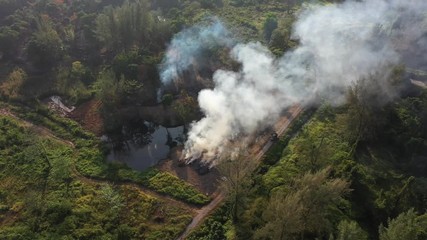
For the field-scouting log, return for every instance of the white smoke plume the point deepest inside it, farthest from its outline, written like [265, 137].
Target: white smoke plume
[188, 44]
[339, 44]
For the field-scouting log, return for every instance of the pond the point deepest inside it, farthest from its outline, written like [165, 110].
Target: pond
[144, 146]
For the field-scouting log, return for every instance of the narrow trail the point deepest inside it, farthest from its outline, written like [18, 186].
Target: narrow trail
[161, 197]
[35, 128]
[94, 181]
[280, 128]
[200, 212]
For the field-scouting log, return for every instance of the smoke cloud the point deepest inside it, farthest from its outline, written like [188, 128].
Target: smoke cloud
[339, 45]
[187, 45]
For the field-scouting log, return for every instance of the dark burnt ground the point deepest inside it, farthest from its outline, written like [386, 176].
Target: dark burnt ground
[204, 180]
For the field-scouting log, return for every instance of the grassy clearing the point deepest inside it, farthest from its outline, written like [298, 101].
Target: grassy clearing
[90, 158]
[41, 198]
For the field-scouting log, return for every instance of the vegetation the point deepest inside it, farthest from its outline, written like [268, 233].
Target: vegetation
[352, 172]
[42, 196]
[90, 158]
[337, 180]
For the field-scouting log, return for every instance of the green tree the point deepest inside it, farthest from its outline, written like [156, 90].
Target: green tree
[112, 200]
[406, 226]
[350, 230]
[279, 40]
[125, 26]
[270, 24]
[8, 41]
[11, 87]
[236, 181]
[126, 63]
[309, 208]
[365, 114]
[113, 92]
[282, 216]
[185, 106]
[106, 88]
[45, 47]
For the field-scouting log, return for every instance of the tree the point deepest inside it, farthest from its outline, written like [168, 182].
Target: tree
[350, 230]
[106, 88]
[114, 91]
[279, 40]
[406, 226]
[112, 200]
[308, 207]
[8, 41]
[282, 216]
[125, 26]
[45, 47]
[185, 106]
[11, 87]
[365, 115]
[126, 63]
[236, 181]
[270, 24]
[290, 4]
[9, 6]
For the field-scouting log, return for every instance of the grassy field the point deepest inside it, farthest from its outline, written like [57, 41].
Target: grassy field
[41, 195]
[90, 158]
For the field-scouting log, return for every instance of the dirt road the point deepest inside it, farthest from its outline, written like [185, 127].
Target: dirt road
[280, 128]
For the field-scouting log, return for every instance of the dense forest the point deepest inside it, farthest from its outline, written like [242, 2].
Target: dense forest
[350, 171]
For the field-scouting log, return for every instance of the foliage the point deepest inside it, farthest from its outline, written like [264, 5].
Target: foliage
[90, 159]
[128, 25]
[72, 82]
[11, 87]
[385, 179]
[114, 92]
[236, 181]
[310, 207]
[350, 230]
[42, 196]
[8, 41]
[166, 183]
[213, 227]
[167, 99]
[270, 25]
[408, 225]
[186, 106]
[126, 64]
[45, 47]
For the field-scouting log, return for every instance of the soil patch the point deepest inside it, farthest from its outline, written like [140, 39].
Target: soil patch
[89, 116]
[206, 183]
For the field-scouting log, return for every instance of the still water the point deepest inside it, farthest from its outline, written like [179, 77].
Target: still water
[143, 147]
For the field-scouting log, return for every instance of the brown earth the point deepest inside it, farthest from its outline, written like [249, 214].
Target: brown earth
[89, 116]
[206, 183]
[256, 150]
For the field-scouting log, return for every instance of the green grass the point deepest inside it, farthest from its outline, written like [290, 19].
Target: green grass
[214, 227]
[41, 197]
[90, 158]
[167, 183]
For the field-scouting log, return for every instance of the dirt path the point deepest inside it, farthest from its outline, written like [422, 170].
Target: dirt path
[39, 130]
[280, 128]
[200, 213]
[161, 197]
[88, 180]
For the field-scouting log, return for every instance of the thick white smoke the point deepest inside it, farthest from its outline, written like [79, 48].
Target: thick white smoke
[339, 44]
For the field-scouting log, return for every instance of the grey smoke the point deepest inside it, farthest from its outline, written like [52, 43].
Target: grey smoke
[188, 44]
[339, 45]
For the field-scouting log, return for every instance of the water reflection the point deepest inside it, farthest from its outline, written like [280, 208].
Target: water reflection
[141, 146]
